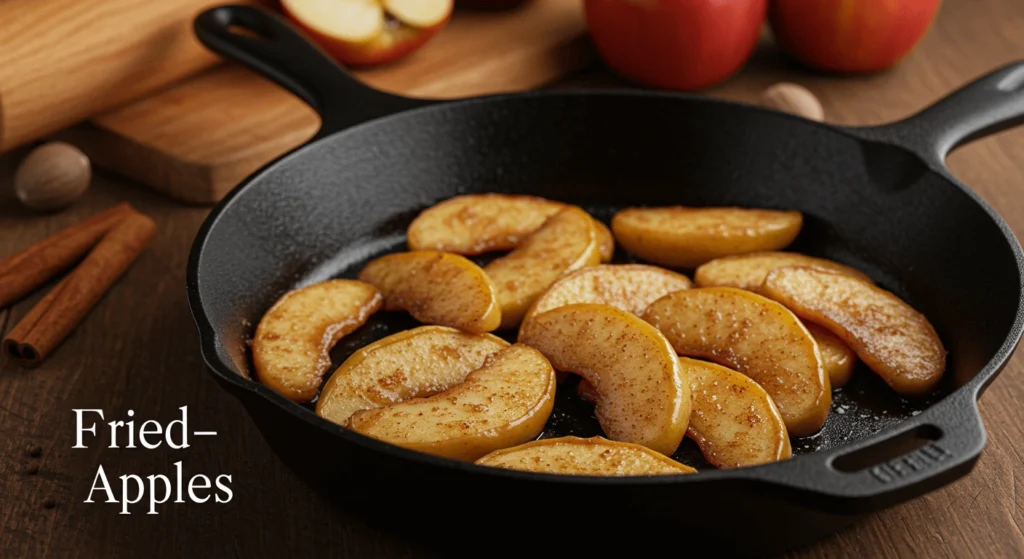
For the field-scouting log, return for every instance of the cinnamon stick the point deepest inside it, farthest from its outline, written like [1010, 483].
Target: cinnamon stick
[61, 310]
[23, 272]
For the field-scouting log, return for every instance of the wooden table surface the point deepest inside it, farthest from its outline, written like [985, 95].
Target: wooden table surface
[138, 350]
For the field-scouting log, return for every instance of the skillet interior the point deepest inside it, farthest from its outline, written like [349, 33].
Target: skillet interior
[323, 211]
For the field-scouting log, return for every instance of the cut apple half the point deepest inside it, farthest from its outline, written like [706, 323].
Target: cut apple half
[573, 456]
[350, 21]
[419, 13]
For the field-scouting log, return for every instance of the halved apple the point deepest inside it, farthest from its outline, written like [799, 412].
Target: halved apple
[573, 456]
[503, 403]
[629, 287]
[892, 338]
[734, 421]
[685, 237]
[747, 271]
[474, 224]
[837, 357]
[755, 336]
[415, 363]
[436, 288]
[365, 32]
[641, 394]
[566, 242]
[289, 349]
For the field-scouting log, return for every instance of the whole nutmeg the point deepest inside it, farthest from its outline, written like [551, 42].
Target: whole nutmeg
[52, 176]
[794, 99]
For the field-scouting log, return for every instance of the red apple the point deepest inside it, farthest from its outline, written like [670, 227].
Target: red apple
[852, 35]
[368, 32]
[675, 44]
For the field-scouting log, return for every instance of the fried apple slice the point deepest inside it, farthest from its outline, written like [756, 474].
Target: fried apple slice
[642, 395]
[755, 336]
[436, 288]
[747, 271]
[573, 456]
[565, 243]
[837, 357]
[416, 363]
[629, 287]
[892, 338]
[684, 237]
[292, 341]
[734, 421]
[503, 403]
[473, 224]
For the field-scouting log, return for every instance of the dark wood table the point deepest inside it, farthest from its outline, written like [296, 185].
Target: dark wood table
[138, 350]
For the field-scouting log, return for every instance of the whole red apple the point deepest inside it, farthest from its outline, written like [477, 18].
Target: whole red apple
[675, 44]
[851, 35]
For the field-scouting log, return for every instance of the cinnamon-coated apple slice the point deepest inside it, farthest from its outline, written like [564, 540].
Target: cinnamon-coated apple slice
[573, 456]
[838, 358]
[684, 237]
[755, 336]
[415, 363]
[291, 344]
[436, 288]
[892, 338]
[566, 242]
[747, 271]
[503, 403]
[641, 394]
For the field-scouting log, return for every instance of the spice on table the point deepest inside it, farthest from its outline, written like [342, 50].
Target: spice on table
[23, 272]
[794, 99]
[52, 177]
[61, 310]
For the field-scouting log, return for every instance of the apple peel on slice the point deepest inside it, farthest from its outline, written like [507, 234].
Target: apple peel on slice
[566, 242]
[747, 271]
[755, 336]
[503, 403]
[892, 338]
[574, 456]
[416, 363]
[641, 394]
[292, 341]
[436, 288]
[684, 237]
[838, 358]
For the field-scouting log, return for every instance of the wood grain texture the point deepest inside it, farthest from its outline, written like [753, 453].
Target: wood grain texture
[62, 61]
[138, 350]
[195, 141]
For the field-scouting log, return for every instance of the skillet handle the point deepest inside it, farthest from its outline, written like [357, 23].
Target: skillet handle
[263, 41]
[927, 452]
[990, 104]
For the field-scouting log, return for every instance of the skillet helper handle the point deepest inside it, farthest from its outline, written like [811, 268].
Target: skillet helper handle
[990, 104]
[266, 43]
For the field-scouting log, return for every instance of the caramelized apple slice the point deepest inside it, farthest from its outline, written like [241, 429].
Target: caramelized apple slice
[605, 241]
[292, 339]
[642, 396]
[503, 403]
[734, 421]
[837, 357]
[565, 243]
[573, 456]
[688, 237]
[416, 363]
[747, 271]
[436, 288]
[893, 339]
[755, 336]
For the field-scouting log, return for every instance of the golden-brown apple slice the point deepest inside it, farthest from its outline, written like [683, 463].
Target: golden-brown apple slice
[892, 338]
[292, 339]
[747, 271]
[415, 363]
[734, 421]
[605, 241]
[573, 456]
[837, 357]
[642, 395]
[684, 237]
[503, 403]
[755, 336]
[436, 288]
[566, 242]
[630, 287]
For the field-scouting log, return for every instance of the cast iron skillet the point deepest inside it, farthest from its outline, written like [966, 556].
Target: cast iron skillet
[878, 198]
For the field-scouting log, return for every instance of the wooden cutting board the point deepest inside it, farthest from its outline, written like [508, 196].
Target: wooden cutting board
[198, 139]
